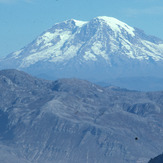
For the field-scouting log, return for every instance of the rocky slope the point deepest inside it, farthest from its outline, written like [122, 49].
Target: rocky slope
[72, 120]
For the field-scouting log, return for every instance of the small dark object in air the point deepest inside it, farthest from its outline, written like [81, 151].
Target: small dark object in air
[136, 138]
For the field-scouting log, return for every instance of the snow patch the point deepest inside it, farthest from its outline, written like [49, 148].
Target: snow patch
[89, 56]
[66, 54]
[100, 90]
[33, 51]
[16, 54]
[117, 25]
[153, 50]
[54, 52]
[97, 49]
[79, 23]
[47, 38]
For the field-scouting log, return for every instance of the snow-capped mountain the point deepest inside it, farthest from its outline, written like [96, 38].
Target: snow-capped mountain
[99, 50]
[76, 121]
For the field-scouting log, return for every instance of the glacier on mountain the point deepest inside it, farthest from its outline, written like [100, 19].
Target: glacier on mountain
[108, 36]
[103, 49]
[117, 25]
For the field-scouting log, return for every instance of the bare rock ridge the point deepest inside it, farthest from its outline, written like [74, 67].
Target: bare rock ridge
[103, 49]
[72, 120]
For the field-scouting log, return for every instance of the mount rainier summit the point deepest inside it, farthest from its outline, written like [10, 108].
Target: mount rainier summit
[102, 50]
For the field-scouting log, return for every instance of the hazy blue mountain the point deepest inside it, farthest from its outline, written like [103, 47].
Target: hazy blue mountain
[72, 120]
[102, 50]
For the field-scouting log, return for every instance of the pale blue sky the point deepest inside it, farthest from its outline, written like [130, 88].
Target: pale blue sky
[21, 21]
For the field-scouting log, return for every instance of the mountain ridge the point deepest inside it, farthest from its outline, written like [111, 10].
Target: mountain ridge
[72, 120]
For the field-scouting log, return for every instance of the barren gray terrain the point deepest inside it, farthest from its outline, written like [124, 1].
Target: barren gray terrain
[72, 120]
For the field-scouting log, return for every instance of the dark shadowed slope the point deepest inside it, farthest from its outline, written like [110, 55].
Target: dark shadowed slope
[158, 159]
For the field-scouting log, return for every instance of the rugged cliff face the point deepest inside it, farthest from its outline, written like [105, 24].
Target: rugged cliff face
[101, 50]
[71, 120]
